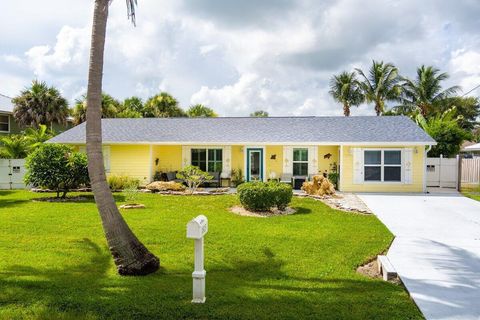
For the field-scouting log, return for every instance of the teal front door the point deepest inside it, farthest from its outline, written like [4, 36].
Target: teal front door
[254, 164]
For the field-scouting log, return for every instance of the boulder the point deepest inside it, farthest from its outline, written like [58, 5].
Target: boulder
[157, 186]
[319, 186]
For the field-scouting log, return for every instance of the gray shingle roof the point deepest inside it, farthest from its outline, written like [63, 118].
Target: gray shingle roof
[248, 130]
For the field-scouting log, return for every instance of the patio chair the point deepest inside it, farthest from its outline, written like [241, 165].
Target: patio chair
[215, 179]
[172, 176]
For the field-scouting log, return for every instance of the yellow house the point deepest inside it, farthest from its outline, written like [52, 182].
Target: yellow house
[369, 154]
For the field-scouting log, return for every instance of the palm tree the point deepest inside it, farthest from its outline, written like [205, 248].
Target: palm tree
[14, 147]
[110, 108]
[40, 104]
[130, 255]
[162, 105]
[345, 89]
[381, 84]
[425, 91]
[201, 111]
[259, 114]
[35, 137]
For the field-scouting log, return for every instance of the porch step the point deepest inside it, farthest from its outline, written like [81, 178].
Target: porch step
[386, 268]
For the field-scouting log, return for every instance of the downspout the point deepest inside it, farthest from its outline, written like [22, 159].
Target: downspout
[427, 149]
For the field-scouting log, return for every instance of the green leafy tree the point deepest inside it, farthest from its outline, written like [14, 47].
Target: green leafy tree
[14, 147]
[131, 108]
[56, 167]
[259, 114]
[35, 137]
[345, 89]
[193, 177]
[446, 131]
[466, 107]
[110, 108]
[40, 104]
[130, 255]
[162, 105]
[201, 111]
[380, 85]
[425, 91]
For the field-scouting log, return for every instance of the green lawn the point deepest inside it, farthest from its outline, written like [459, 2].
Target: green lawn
[471, 191]
[54, 263]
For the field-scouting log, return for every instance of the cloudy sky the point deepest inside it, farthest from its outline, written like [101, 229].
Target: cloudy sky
[238, 56]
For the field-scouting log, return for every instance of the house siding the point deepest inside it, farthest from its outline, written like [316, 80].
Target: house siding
[347, 180]
[131, 160]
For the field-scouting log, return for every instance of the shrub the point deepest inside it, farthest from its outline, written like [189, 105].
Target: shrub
[131, 194]
[237, 177]
[57, 167]
[193, 177]
[261, 196]
[122, 182]
[333, 177]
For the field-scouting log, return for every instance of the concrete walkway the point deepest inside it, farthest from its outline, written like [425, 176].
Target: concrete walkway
[436, 251]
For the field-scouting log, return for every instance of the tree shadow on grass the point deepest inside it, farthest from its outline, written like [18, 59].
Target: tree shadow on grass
[74, 198]
[249, 289]
[302, 210]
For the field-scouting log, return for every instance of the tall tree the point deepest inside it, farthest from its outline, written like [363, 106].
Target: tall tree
[131, 108]
[130, 255]
[14, 147]
[36, 137]
[425, 91]
[201, 111]
[467, 107]
[345, 89]
[110, 108]
[259, 114]
[40, 104]
[381, 84]
[162, 105]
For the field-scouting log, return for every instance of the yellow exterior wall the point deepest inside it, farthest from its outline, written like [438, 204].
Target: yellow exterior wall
[237, 158]
[169, 158]
[274, 167]
[131, 160]
[324, 163]
[347, 185]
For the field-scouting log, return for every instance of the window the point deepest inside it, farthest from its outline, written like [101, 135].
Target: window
[209, 160]
[383, 165]
[300, 162]
[4, 123]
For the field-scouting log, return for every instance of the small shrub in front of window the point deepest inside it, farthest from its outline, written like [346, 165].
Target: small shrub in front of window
[193, 177]
[122, 182]
[263, 196]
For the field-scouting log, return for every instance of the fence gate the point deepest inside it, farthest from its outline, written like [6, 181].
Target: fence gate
[12, 172]
[471, 172]
[442, 172]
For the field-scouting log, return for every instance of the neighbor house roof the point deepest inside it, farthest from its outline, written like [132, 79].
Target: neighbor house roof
[473, 147]
[6, 104]
[272, 130]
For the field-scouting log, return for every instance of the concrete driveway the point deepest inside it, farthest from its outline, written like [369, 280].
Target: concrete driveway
[436, 250]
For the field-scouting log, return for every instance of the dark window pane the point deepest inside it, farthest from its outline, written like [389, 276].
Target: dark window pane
[3, 126]
[300, 169]
[3, 119]
[373, 157]
[199, 158]
[373, 174]
[300, 154]
[392, 157]
[392, 174]
[218, 154]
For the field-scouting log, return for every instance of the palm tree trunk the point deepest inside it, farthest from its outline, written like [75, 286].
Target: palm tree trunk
[378, 109]
[346, 110]
[130, 255]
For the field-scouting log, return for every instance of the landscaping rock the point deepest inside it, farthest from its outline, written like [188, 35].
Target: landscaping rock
[132, 206]
[158, 186]
[318, 186]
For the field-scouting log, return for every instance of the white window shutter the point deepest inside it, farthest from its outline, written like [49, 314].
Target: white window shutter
[312, 160]
[106, 158]
[408, 165]
[186, 156]
[287, 160]
[357, 165]
[227, 161]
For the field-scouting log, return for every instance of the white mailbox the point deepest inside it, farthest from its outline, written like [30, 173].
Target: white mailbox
[196, 229]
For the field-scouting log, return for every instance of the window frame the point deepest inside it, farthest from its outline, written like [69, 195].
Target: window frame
[300, 161]
[8, 122]
[382, 166]
[207, 158]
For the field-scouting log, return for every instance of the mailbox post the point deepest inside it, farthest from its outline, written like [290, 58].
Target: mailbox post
[196, 229]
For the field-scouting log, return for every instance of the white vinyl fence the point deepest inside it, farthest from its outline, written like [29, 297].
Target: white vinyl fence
[12, 172]
[442, 172]
[471, 171]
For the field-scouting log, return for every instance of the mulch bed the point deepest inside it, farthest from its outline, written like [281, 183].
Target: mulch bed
[241, 211]
[67, 199]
